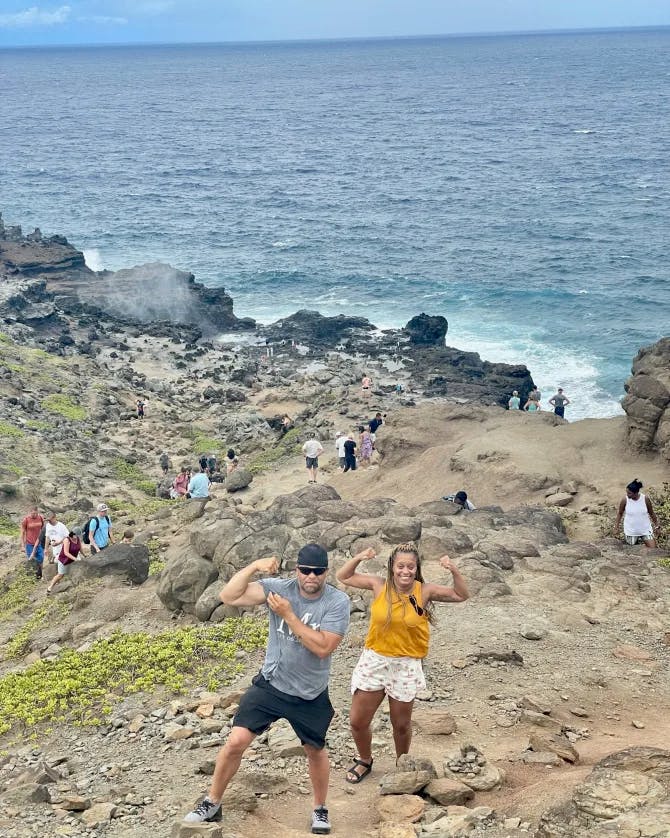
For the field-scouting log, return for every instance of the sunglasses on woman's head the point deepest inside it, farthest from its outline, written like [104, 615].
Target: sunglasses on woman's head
[317, 571]
[415, 605]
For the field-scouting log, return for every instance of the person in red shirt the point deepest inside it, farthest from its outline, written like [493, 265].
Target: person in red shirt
[31, 529]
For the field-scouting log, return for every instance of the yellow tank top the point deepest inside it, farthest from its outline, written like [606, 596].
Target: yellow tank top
[407, 634]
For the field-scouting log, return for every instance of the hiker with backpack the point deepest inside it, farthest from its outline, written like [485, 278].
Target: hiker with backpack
[98, 530]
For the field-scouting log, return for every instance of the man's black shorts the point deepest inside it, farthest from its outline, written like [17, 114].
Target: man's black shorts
[262, 704]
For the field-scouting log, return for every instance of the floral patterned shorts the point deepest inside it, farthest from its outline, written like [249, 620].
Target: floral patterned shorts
[400, 678]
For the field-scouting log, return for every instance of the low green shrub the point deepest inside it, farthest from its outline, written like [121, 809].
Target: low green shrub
[15, 593]
[84, 687]
[132, 474]
[8, 430]
[64, 406]
[8, 526]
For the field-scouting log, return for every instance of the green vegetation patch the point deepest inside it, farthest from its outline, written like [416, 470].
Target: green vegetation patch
[133, 475]
[660, 499]
[20, 642]
[38, 425]
[288, 446]
[204, 444]
[6, 429]
[8, 527]
[156, 560]
[5, 338]
[15, 594]
[63, 405]
[84, 687]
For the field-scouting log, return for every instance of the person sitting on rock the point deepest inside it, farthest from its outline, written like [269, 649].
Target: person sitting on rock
[639, 518]
[308, 620]
[198, 485]
[460, 499]
[180, 483]
[400, 616]
[69, 553]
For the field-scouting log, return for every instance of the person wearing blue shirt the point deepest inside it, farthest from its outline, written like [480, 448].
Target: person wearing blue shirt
[198, 486]
[100, 529]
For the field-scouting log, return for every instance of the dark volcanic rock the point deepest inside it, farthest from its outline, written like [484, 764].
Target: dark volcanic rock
[427, 330]
[312, 328]
[129, 561]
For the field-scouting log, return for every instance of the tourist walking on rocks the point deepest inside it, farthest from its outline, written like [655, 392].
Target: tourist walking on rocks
[198, 485]
[231, 461]
[56, 533]
[349, 453]
[374, 425]
[100, 529]
[140, 408]
[164, 461]
[366, 385]
[397, 642]
[558, 402]
[32, 538]
[308, 619]
[639, 518]
[69, 553]
[340, 439]
[365, 440]
[312, 449]
[515, 402]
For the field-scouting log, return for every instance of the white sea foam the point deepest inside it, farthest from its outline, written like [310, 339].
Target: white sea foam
[551, 368]
[93, 259]
[583, 131]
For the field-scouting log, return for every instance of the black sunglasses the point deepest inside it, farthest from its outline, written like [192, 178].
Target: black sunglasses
[317, 571]
[415, 605]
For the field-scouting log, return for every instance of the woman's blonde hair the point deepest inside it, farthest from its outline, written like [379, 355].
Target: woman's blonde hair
[411, 548]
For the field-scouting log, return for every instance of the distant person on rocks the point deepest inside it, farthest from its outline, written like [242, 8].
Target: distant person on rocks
[140, 408]
[198, 485]
[31, 538]
[312, 449]
[366, 386]
[56, 533]
[461, 499]
[211, 464]
[349, 453]
[69, 554]
[164, 461]
[515, 402]
[374, 425]
[100, 529]
[202, 462]
[397, 642]
[308, 619]
[558, 402]
[232, 461]
[639, 518]
[535, 395]
[532, 405]
[398, 389]
[365, 453]
[286, 424]
[180, 483]
[340, 439]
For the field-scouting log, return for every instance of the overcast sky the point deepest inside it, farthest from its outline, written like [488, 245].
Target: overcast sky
[125, 21]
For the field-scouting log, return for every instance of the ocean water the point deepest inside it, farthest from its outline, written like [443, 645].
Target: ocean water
[518, 185]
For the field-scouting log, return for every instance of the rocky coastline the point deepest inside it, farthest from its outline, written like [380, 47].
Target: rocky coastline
[540, 719]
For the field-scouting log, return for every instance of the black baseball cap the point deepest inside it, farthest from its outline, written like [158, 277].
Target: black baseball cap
[312, 555]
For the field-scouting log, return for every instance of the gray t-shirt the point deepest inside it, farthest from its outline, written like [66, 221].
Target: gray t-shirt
[559, 400]
[289, 666]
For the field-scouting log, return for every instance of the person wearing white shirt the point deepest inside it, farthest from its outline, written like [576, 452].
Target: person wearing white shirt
[340, 439]
[56, 533]
[311, 449]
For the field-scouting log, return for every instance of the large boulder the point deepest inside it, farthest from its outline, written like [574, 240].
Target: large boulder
[130, 562]
[238, 479]
[312, 328]
[647, 400]
[183, 581]
[427, 330]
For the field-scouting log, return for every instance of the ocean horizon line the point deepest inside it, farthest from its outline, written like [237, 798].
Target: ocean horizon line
[364, 39]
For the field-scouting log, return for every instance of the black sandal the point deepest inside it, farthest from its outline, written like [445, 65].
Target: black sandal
[366, 765]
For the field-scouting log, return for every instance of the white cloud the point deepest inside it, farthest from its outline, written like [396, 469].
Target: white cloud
[35, 16]
[104, 20]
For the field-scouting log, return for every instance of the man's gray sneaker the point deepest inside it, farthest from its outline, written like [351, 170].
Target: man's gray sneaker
[320, 821]
[207, 811]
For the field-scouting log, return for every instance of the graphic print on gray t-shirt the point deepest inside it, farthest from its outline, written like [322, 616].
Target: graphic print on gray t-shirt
[289, 666]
